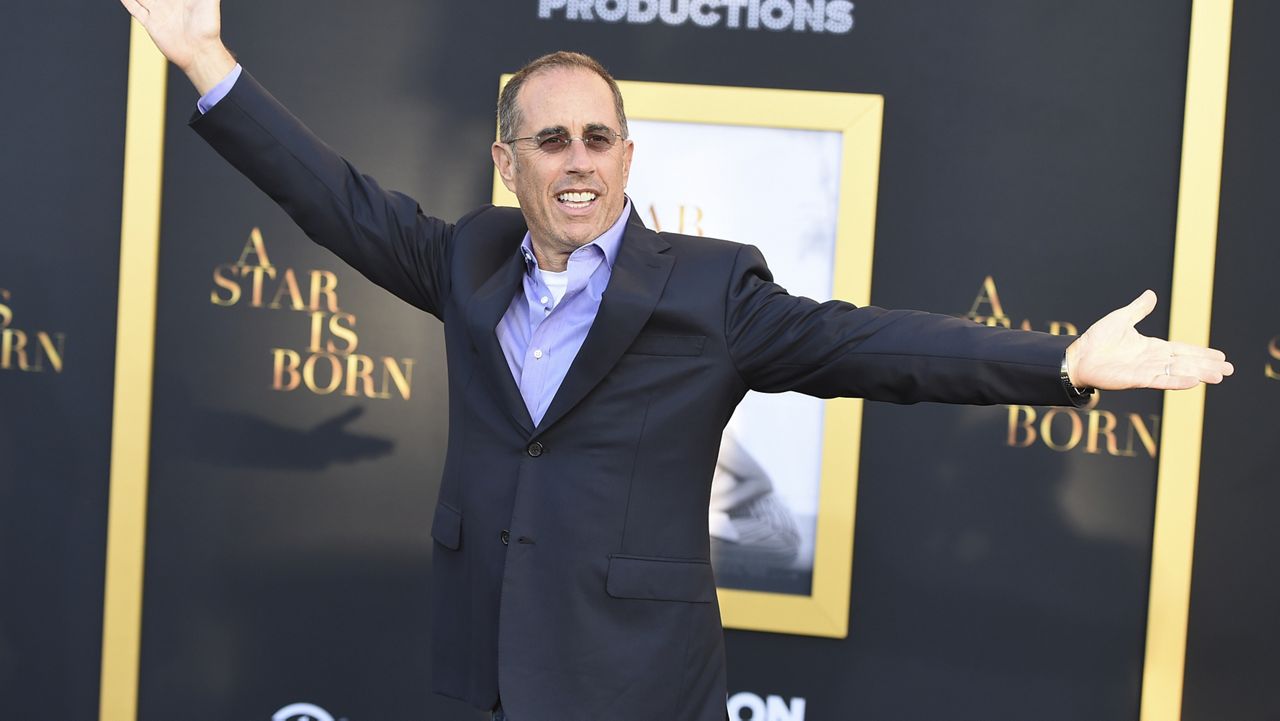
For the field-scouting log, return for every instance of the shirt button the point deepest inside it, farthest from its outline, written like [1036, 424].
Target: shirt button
[505, 536]
[534, 449]
[544, 299]
[537, 353]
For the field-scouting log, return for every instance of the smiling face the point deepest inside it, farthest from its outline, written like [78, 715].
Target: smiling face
[571, 197]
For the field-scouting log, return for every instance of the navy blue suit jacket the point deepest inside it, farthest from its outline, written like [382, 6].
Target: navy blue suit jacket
[571, 566]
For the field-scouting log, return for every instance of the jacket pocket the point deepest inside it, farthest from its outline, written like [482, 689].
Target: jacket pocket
[674, 345]
[446, 527]
[660, 579]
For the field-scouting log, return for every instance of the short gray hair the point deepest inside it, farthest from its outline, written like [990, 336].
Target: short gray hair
[509, 118]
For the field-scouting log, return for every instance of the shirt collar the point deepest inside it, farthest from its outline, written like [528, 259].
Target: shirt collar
[608, 242]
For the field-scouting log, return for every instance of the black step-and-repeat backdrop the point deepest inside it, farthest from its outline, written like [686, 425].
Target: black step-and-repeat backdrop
[64, 69]
[1233, 627]
[1028, 177]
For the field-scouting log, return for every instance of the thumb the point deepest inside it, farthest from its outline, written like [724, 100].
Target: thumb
[1141, 306]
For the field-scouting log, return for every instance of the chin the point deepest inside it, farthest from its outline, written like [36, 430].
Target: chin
[579, 236]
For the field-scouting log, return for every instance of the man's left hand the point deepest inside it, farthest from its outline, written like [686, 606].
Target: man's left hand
[1113, 355]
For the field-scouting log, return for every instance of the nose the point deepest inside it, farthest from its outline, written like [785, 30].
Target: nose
[579, 160]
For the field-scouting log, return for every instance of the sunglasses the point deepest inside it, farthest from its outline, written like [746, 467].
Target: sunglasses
[597, 140]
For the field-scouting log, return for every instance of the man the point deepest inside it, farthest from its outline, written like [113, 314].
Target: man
[593, 365]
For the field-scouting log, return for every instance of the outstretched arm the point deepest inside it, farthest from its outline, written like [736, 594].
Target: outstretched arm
[780, 342]
[382, 234]
[1113, 355]
[189, 33]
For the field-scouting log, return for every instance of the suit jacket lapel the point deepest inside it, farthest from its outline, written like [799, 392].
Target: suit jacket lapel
[639, 275]
[483, 312]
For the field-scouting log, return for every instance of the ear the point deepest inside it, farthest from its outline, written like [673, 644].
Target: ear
[628, 149]
[505, 163]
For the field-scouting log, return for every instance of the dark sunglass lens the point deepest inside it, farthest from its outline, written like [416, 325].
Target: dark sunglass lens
[553, 143]
[599, 142]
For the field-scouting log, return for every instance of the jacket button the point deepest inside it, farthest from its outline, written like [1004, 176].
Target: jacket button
[535, 449]
[505, 536]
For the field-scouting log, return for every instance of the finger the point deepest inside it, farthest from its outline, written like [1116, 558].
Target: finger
[1141, 306]
[1175, 375]
[1174, 383]
[1202, 369]
[1210, 371]
[1195, 351]
[135, 9]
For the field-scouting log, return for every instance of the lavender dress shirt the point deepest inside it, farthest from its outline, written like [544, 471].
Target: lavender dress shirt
[539, 336]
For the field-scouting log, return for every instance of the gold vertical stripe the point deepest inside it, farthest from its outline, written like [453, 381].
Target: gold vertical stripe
[135, 345]
[1189, 315]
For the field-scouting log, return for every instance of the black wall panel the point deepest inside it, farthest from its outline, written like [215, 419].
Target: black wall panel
[64, 74]
[1231, 644]
[1001, 555]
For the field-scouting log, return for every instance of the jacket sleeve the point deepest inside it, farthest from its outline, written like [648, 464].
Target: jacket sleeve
[780, 342]
[383, 234]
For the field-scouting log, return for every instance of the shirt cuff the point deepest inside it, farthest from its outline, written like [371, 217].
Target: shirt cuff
[219, 91]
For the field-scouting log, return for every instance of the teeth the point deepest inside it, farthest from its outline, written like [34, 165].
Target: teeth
[576, 197]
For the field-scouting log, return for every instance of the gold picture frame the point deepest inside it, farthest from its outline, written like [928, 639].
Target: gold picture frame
[859, 119]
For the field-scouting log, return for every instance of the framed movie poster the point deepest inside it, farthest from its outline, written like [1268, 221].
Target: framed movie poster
[795, 174]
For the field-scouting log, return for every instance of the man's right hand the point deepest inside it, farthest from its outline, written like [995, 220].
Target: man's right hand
[189, 33]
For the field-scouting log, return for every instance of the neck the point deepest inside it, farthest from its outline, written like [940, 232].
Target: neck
[553, 253]
[552, 256]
